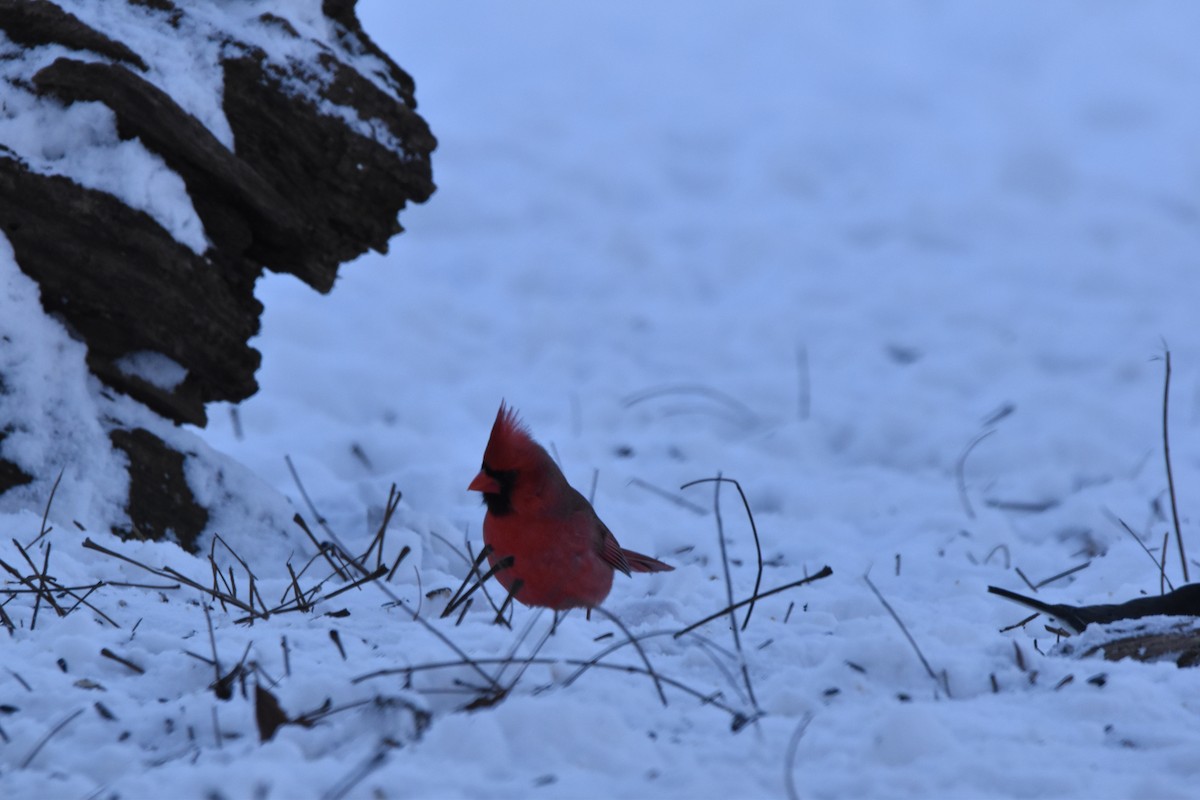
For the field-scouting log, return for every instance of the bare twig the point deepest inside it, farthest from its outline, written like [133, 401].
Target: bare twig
[455, 598]
[1167, 458]
[1162, 566]
[753, 530]
[737, 639]
[682, 502]
[104, 651]
[322, 549]
[825, 572]
[53, 732]
[731, 403]
[739, 718]
[1159, 565]
[1022, 623]
[641, 653]
[960, 470]
[1062, 574]
[389, 509]
[1028, 582]
[904, 629]
[46, 513]
[789, 762]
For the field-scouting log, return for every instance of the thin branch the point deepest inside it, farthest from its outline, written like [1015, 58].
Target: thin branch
[789, 761]
[1167, 457]
[1062, 574]
[682, 502]
[1162, 575]
[904, 629]
[53, 732]
[960, 472]
[732, 403]
[46, 512]
[825, 572]
[737, 639]
[637, 645]
[753, 530]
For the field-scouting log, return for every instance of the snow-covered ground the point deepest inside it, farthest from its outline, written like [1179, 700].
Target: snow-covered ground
[818, 248]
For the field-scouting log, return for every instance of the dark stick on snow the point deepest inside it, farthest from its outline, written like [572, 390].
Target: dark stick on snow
[83, 601]
[1157, 564]
[907, 635]
[682, 502]
[487, 548]
[706, 699]
[299, 520]
[466, 607]
[46, 512]
[1167, 458]
[729, 402]
[960, 472]
[499, 566]
[510, 659]
[296, 591]
[1028, 582]
[337, 640]
[404, 551]
[1000, 548]
[753, 530]
[1162, 565]
[389, 509]
[789, 761]
[512, 592]
[53, 732]
[104, 651]
[42, 577]
[1062, 574]
[368, 578]
[347, 783]
[737, 638]
[487, 595]
[1022, 623]
[637, 645]
[825, 572]
[212, 641]
[469, 559]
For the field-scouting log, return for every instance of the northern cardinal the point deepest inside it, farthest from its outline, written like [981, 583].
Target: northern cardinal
[562, 554]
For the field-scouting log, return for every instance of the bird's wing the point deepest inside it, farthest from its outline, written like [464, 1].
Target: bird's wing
[608, 549]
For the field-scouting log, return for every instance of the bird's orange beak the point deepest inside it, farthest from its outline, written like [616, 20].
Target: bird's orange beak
[484, 483]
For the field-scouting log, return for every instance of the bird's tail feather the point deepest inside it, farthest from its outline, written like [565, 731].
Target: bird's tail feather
[642, 563]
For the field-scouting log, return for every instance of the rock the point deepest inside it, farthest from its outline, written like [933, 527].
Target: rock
[161, 504]
[326, 148]
[88, 251]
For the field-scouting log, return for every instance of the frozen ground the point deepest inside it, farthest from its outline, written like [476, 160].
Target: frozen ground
[844, 240]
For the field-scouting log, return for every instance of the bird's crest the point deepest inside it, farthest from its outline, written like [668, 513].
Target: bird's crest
[510, 444]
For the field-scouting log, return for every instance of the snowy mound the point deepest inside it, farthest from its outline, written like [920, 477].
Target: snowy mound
[155, 159]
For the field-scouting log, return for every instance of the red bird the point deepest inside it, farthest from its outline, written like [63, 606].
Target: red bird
[563, 555]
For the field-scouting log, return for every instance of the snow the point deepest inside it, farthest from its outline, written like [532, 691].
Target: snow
[154, 368]
[843, 239]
